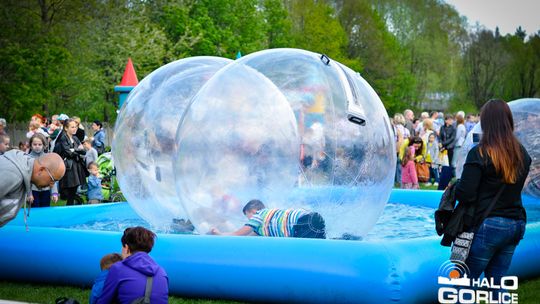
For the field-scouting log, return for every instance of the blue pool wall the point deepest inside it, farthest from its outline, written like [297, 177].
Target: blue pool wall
[246, 268]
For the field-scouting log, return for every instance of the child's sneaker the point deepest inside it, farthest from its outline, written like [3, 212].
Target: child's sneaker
[428, 184]
[435, 184]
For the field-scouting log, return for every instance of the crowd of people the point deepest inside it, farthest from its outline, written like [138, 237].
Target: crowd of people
[427, 147]
[78, 149]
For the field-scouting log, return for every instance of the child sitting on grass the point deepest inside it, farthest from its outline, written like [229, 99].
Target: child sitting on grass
[106, 262]
[94, 184]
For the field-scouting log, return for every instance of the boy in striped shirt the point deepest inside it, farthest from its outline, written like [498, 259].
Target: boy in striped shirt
[279, 222]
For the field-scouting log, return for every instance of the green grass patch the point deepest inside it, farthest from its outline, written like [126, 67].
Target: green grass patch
[528, 292]
[47, 294]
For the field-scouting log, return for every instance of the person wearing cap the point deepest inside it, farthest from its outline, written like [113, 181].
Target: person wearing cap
[99, 137]
[19, 171]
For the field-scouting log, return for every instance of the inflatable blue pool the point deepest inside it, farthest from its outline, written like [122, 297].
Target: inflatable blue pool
[63, 246]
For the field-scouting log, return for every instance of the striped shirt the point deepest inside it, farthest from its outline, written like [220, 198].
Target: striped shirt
[275, 222]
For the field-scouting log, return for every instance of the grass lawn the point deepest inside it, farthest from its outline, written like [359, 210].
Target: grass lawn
[528, 292]
[47, 294]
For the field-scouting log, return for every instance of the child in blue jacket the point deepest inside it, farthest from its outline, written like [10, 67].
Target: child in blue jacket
[106, 262]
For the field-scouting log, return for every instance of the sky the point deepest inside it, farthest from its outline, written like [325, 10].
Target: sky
[507, 14]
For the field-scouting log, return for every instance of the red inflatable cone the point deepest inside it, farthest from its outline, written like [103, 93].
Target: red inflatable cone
[130, 77]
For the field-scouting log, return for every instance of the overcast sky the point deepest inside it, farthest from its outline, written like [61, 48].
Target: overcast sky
[507, 14]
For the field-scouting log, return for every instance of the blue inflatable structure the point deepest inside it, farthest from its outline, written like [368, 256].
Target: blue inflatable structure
[246, 268]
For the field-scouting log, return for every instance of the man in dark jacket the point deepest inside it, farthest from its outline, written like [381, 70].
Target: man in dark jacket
[447, 136]
[127, 280]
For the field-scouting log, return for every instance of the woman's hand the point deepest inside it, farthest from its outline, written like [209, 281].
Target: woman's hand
[30, 199]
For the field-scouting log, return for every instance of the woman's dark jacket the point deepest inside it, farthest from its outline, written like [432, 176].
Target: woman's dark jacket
[80, 134]
[479, 185]
[447, 136]
[73, 159]
[475, 191]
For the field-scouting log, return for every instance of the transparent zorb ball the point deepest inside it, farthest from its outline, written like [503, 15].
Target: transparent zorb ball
[237, 141]
[526, 114]
[145, 134]
[341, 155]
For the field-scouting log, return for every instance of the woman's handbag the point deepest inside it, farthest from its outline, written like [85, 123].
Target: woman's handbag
[422, 172]
[462, 244]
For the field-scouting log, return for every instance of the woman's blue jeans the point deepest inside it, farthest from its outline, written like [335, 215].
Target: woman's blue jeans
[493, 247]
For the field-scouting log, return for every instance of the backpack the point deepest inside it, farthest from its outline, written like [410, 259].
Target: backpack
[147, 293]
[446, 208]
[64, 300]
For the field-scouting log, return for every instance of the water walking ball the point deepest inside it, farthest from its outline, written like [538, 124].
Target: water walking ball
[526, 114]
[293, 129]
[145, 135]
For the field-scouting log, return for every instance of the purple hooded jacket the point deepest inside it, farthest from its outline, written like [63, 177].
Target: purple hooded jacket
[127, 281]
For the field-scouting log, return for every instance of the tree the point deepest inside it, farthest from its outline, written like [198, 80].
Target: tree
[484, 61]
[520, 75]
[34, 55]
[113, 33]
[218, 27]
[384, 66]
[316, 28]
[432, 35]
[278, 25]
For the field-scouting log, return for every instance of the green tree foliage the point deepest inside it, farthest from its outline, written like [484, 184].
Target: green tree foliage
[501, 67]
[370, 42]
[113, 34]
[432, 35]
[277, 24]
[521, 75]
[316, 28]
[34, 55]
[67, 56]
[484, 62]
[215, 27]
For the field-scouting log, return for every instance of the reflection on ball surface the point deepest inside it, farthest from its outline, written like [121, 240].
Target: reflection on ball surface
[145, 134]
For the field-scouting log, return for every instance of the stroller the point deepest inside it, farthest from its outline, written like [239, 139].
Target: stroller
[109, 184]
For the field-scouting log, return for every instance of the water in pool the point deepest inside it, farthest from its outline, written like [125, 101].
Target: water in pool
[398, 221]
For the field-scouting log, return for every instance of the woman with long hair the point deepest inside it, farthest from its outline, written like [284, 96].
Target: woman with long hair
[498, 163]
[70, 149]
